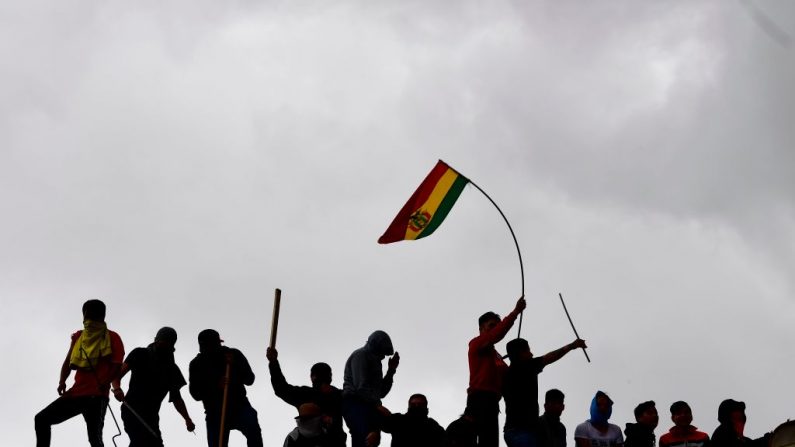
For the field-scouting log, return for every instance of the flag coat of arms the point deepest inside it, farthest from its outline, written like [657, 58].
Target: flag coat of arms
[428, 206]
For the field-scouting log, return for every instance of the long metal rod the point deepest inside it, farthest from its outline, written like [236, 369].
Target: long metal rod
[572, 325]
[96, 375]
[519, 252]
[141, 420]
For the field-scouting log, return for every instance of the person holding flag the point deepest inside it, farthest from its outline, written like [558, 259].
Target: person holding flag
[486, 372]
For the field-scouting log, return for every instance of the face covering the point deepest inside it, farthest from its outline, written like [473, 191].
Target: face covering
[598, 417]
[419, 413]
[310, 428]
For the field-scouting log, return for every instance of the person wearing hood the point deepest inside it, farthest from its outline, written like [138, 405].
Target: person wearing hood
[641, 433]
[683, 434]
[208, 384]
[596, 431]
[327, 397]
[365, 385]
[153, 375]
[312, 428]
[731, 431]
[96, 354]
[414, 428]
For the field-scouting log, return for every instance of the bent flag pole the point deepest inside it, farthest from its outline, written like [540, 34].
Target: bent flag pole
[430, 204]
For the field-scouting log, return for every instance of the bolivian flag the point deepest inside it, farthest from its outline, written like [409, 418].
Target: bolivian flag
[428, 206]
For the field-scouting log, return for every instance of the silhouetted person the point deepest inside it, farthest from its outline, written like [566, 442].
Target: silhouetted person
[96, 354]
[327, 397]
[641, 433]
[311, 430]
[486, 372]
[597, 431]
[683, 434]
[552, 432]
[153, 375]
[206, 378]
[520, 390]
[731, 431]
[365, 385]
[461, 432]
[414, 428]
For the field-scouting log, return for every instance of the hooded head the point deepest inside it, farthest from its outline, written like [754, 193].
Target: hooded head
[379, 344]
[601, 408]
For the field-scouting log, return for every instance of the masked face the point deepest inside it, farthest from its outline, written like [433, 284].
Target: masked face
[310, 427]
[418, 408]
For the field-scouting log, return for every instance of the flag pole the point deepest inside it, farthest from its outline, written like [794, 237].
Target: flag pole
[572, 325]
[519, 252]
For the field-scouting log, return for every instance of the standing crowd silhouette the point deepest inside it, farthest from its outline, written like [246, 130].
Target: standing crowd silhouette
[218, 377]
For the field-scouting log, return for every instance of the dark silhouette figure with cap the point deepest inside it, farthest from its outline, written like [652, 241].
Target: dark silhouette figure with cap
[96, 354]
[365, 385]
[207, 371]
[153, 375]
[327, 397]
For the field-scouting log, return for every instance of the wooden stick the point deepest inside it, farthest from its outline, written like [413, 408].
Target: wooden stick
[277, 300]
[227, 374]
[572, 325]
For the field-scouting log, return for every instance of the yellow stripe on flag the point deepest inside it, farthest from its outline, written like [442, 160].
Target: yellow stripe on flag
[432, 204]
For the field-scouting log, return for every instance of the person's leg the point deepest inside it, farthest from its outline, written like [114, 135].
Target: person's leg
[484, 408]
[213, 424]
[355, 415]
[93, 409]
[520, 438]
[58, 411]
[139, 435]
[246, 422]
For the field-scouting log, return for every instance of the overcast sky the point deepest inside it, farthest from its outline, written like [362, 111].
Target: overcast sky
[182, 159]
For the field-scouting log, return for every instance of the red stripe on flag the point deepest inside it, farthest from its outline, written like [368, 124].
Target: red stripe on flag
[397, 229]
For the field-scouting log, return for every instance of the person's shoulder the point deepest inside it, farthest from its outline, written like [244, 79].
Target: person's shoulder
[583, 428]
[114, 336]
[75, 335]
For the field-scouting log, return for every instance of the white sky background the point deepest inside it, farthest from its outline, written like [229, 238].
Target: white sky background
[181, 160]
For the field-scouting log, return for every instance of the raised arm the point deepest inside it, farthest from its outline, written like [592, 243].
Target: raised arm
[554, 356]
[488, 339]
[283, 390]
[389, 377]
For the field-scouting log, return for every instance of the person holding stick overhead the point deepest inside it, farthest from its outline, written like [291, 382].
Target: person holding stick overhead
[486, 371]
[218, 377]
[326, 396]
[365, 385]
